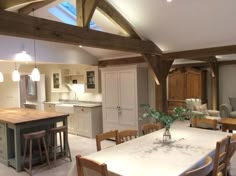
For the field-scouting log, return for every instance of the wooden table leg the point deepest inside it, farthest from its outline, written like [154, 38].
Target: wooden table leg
[17, 139]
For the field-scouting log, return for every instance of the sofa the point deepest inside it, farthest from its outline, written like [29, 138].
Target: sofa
[200, 116]
[228, 110]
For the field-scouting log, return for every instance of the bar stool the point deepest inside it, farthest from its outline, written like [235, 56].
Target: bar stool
[62, 130]
[30, 136]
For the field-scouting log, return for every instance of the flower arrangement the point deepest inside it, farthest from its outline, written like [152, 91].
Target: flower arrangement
[166, 119]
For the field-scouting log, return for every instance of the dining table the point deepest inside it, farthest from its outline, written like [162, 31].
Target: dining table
[148, 155]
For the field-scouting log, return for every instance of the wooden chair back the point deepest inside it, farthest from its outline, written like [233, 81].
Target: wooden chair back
[221, 157]
[104, 136]
[82, 163]
[151, 127]
[202, 170]
[127, 135]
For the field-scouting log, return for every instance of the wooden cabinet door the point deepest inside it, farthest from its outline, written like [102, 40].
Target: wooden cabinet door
[176, 86]
[111, 100]
[193, 85]
[127, 99]
[84, 122]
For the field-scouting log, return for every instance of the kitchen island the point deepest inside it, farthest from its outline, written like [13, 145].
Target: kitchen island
[14, 122]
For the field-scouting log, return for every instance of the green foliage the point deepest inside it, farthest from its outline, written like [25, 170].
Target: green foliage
[166, 119]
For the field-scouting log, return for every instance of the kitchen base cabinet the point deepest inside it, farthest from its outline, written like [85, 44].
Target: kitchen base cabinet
[87, 121]
[3, 144]
[49, 107]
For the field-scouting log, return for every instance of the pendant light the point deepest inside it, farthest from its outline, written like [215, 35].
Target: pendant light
[35, 75]
[1, 77]
[15, 75]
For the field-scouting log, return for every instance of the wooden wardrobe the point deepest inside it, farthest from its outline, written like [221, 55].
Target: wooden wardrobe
[185, 83]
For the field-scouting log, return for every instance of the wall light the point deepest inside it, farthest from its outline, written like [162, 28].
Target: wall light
[23, 56]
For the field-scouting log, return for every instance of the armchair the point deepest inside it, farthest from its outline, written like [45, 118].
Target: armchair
[200, 110]
[228, 110]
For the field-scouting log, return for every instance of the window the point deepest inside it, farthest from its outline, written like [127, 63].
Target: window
[66, 13]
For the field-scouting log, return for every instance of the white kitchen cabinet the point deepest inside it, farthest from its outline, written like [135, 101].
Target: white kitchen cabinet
[93, 79]
[123, 90]
[58, 81]
[88, 121]
[49, 107]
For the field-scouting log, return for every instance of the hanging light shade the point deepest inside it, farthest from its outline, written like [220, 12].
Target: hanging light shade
[1, 77]
[15, 75]
[23, 56]
[35, 75]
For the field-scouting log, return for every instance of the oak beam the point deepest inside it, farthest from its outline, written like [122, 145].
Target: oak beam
[5, 4]
[214, 85]
[197, 53]
[36, 28]
[160, 70]
[85, 11]
[121, 61]
[110, 12]
[36, 5]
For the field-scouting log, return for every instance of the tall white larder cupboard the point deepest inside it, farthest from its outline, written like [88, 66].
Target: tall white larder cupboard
[123, 90]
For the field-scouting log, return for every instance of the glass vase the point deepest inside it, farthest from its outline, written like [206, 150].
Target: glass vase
[166, 135]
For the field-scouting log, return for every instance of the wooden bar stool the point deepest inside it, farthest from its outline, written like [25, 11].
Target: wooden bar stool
[52, 140]
[30, 136]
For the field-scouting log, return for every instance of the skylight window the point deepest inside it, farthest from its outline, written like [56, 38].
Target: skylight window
[66, 13]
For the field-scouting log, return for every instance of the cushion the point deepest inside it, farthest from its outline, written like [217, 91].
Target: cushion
[202, 108]
[233, 103]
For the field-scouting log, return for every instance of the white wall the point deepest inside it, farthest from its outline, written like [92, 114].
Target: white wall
[9, 93]
[227, 83]
[45, 51]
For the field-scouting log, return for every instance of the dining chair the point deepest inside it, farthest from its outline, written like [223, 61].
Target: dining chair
[221, 157]
[202, 170]
[232, 150]
[127, 135]
[105, 136]
[82, 162]
[151, 127]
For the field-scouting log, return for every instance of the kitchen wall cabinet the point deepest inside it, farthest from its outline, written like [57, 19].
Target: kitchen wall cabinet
[93, 79]
[58, 81]
[123, 90]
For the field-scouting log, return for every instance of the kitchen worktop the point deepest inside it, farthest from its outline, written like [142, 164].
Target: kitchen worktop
[21, 115]
[79, 104]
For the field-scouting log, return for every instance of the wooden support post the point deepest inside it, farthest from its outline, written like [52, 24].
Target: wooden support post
[85, 10]
[214, 68]
[160, 70]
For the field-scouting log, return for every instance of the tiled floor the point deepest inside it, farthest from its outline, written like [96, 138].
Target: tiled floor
[79, 145]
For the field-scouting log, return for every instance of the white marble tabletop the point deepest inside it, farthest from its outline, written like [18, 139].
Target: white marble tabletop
[147, 155]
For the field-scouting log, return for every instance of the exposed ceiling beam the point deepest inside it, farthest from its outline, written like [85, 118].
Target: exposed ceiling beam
[4, 4]
[205, 59]
[85, 10]
[32, 27]
[36, 5]
[222, 50]
[121, 61]
[110, 12]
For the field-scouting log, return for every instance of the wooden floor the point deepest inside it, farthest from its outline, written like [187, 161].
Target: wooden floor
[78, 145]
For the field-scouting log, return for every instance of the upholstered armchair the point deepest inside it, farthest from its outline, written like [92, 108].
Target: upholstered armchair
[201, 116]
[228, 110]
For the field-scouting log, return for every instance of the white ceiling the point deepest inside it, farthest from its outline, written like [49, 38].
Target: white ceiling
[176, 26]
